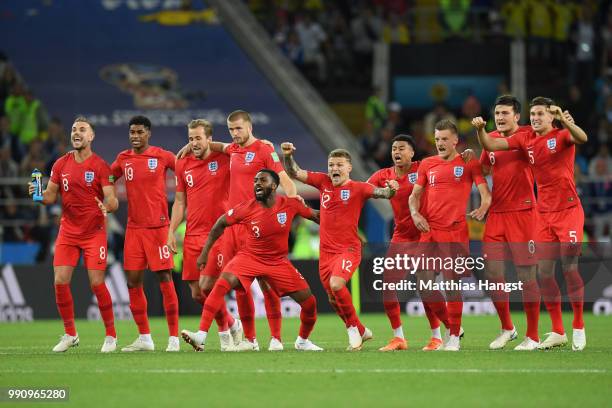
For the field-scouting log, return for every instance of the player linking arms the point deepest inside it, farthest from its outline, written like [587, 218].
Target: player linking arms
[551, 154]
[85, 183]
[340, 249]
[268, 220]
[447, 180]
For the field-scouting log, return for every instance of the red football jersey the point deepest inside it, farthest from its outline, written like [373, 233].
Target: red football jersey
[245, 163]
[145, 183]
[404, 229]
[340, 210]
[78, 184]
[269, 228]
[448, 185]
[205, 184]
[552, 158]
[512, 177]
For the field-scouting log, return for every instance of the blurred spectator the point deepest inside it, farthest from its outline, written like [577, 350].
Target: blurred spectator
[601, 196]
[306, 244]
[340, 57]
[602, 156]
[540, 29]
[16, 150]
[11, 215]
[579, 110]
[455, 16]
[34, 120]
[382, 147]
[438, 113]
[55, 134]
[292, 48]
[15, 107]
[312, 38]
[36, 158]
[375, 111]
[564, 13]
[395, 121]
[515, 14]
[606, 36]
[8, 168]
[395, 30]
[581, 161]
[59, 149]
[426, 22]
[584, 54]
[366, 29]
[8, 80]
[471, 108]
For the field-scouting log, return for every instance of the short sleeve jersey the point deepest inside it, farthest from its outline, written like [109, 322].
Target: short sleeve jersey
[340, 210]
[404, 230]
[447, 185]
[245, 163]
[205, 183]
[269, 228]
[145, 183]
[513, 181]
[79, 184]
[552, 158]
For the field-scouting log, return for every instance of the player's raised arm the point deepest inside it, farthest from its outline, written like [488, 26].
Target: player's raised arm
[291, 167]
[414, 202]
[287, 184]
[178, 213]
[578, 136]
[213, 236]
[50, 193]
[489, 143]
[386, 192]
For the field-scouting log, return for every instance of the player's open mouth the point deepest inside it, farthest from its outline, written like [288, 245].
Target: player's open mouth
[196, 150]
[441, 148]
[397, 158]
[258, 190]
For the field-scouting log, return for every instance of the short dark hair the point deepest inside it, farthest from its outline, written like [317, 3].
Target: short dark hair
[340, 153]
[541, 101]
[239, 114]
[405, 138]
[81, 118]
[140, 120]
[447, 124]
[272, 174]
[509, 100]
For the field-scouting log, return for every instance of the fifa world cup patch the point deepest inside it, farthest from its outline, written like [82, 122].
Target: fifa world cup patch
[281, 217]
[152, 164]
[89, 176]
[412, 178]
[111, 179]
[275, 157]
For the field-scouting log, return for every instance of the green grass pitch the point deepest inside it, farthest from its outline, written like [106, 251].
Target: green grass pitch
[473, 377]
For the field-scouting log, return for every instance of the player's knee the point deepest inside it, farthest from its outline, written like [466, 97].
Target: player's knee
[207, 284]
[164, 276]
[336, 284]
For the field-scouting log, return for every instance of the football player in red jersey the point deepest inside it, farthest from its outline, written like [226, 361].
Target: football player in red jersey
[267, 219]
[144, 168]
[85, 183]
[551, 154]
[340, 249]
[447, 181]
[509, 232]
[404, 171]
[248, 155]
[201, 183]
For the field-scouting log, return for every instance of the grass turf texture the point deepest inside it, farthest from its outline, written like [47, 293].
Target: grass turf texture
[473, 377]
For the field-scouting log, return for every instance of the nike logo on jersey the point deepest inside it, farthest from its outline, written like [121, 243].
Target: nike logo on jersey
[188, 171]
[327, 191]
[65, 175]
[254, 222]
[128, 164]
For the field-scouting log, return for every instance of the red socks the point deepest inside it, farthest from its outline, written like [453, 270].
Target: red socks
[214, 302]
[105, 304]
[223, 318]
[170, 306]
[308, 316]
[501, 301]
[455, 310]
[552, 300]
[434, 300]
[344, 302]
[575, 293]
[273, 312]
[138, 307]
[392, 309]
[65, 307]
[531, 304]
[246, 310]
[434, 323]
